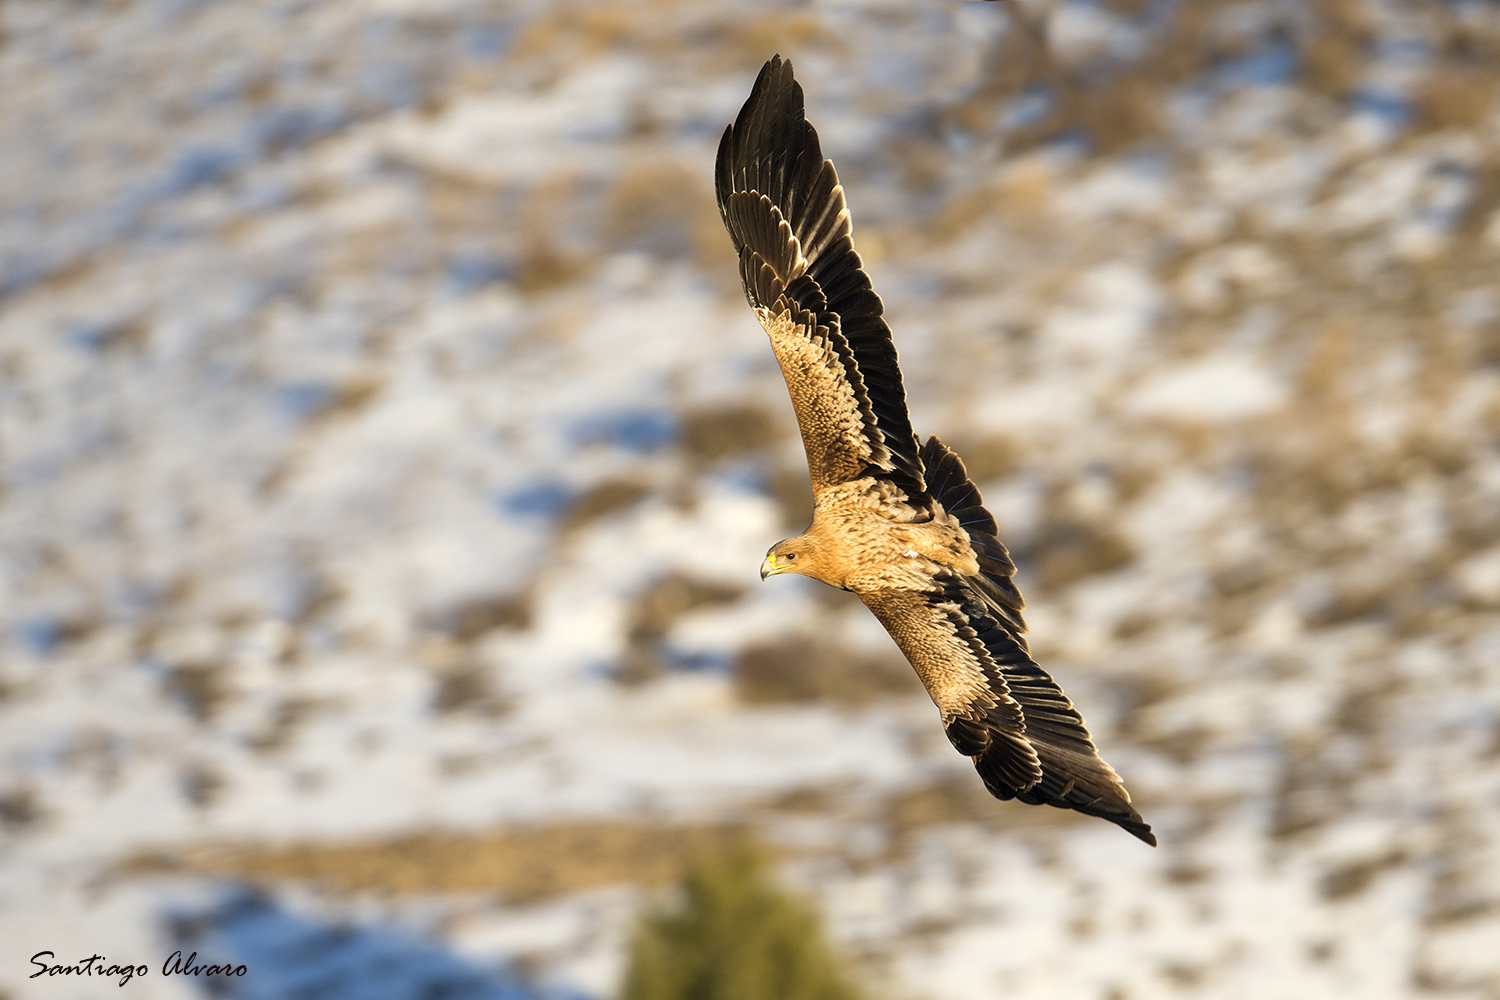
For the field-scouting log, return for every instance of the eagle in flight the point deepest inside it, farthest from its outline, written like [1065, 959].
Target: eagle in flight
[897, 523]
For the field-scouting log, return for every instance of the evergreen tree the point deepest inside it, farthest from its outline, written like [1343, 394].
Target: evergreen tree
[733, 936]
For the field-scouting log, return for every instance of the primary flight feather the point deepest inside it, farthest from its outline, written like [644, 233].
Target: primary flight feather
[898, 523]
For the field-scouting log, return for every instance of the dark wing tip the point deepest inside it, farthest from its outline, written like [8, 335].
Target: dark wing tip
[1115, 808]
[771, 143]
[1072, 773]
[1089, 787]
[1100, 800]
[1136, 827]
[775, 88]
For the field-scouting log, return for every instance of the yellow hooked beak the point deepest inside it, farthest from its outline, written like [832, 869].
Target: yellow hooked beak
[778, 562]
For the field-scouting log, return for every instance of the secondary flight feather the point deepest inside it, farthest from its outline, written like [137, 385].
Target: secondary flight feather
[898, 523]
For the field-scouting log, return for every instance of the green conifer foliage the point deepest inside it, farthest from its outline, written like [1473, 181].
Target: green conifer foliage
[733, 936]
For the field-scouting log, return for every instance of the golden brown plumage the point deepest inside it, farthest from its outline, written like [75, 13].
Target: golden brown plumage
[899, 525]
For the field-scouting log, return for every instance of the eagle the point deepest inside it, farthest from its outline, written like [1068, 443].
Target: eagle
[897, 522]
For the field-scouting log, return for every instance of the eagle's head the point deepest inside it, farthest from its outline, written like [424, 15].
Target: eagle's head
[795, 555]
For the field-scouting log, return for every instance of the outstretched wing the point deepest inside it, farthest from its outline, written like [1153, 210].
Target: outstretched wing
[784, 209]
[964, 637]
[980, 714]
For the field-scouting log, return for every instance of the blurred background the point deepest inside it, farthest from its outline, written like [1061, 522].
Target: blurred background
[387, 456]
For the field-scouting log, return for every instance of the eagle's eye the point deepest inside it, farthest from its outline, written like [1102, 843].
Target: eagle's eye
[790, 556]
